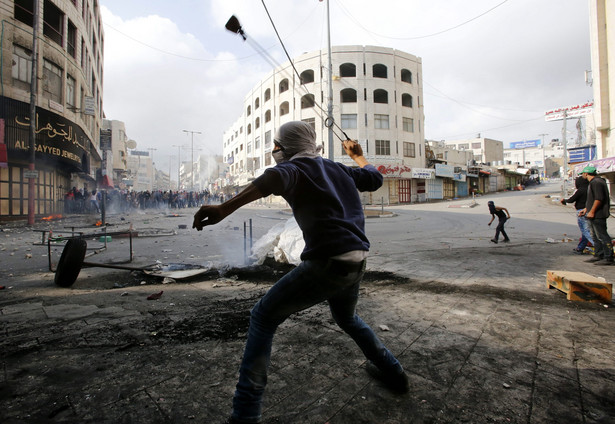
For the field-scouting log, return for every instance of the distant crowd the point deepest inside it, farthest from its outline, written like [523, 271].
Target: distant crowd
[124, 201]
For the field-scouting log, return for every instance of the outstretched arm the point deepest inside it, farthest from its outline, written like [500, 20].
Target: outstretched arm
[212, 214]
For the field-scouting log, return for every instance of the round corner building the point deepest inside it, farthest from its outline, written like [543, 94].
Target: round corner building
[69, 69]
[377, 100]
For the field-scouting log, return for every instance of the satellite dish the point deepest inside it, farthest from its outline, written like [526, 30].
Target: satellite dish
[131, 144]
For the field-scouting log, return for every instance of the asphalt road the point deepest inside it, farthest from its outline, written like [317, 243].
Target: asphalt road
[481, 337]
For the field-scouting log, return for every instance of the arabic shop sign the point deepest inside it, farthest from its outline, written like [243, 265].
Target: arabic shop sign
[424, 173]
[394, 170]
[570, 112]
[57, 138]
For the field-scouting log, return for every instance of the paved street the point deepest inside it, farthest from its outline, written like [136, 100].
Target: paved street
[481, 337]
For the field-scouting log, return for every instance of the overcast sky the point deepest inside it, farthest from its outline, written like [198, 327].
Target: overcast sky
[489, 66]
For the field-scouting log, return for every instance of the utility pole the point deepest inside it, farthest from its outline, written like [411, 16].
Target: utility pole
[565, 141]
[544, 160]
[330, 105]
[33, 91]
[192, 169]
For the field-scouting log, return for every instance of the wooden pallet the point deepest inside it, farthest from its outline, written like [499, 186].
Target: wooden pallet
[580, 286]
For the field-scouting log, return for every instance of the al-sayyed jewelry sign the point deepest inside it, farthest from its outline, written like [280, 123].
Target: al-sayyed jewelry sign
[57, 138]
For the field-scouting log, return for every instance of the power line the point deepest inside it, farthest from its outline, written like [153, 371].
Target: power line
[420, 36]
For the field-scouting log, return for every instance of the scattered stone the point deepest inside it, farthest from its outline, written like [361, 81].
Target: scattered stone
[384, 327]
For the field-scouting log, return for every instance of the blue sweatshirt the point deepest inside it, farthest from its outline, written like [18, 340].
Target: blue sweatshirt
[325, 202]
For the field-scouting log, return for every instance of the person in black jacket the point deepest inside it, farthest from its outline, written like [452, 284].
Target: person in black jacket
[503, 216]
[326, 204]
[597, 210]
[579, 198]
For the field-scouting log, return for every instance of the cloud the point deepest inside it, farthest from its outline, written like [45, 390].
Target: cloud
[489, 71]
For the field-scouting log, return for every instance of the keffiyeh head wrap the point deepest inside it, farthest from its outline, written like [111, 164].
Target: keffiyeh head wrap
[491, 206]
[298, 139]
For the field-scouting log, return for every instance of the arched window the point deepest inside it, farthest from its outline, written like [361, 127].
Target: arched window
[307, 101]
[381, 96]
[283, 85]
[348, 95]
[307, 76]
[257, 123]
[249, 111]
[268, 116]
[249, 128]
[348, 70]
[267, 94]
[284, 108]
[379, 70]
[406, 76]
[406, 100]
[257, 103]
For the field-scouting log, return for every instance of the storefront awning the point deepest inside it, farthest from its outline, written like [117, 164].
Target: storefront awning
[481, 172]
[107, 182]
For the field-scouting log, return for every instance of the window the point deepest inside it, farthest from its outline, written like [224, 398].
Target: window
[406, 76]
[71, 40]
[348, 70]
[408, 124]
[70, 91]
[267, 94]
[267, 160]
[22, 64]
[249, 128]
[348, 95]
[284, 108]
[257, 103]
[307, 101]
[53, 22]
[349, 121]
[379, 70]
[52, 81]
[476, 145]
[257, 123]
[268, 116]
[24, 9]
[381, 122]
[267, 139]
[463, 146]
[406, 100]
[409, 150]
[307, 76]
[383, 147]
[311, 121]
[381, 96]
[283, 85]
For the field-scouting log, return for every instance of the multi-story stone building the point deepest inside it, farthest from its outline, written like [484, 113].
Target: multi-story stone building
[69, 69]
[377, 100]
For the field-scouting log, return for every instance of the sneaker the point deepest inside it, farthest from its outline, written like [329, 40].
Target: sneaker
[604, 262]
[578, 251]
[593, 259]
[506, 240]
[494, 241]
[397, 382]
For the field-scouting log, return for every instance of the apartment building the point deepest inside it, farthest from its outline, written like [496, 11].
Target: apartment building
[68, 120]
[377, 100]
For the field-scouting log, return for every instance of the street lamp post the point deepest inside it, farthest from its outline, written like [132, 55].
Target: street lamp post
[179, 147]
[192, 168]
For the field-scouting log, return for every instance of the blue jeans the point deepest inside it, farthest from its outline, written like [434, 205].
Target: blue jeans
[585, 233]
[312, 282]
[603, 245]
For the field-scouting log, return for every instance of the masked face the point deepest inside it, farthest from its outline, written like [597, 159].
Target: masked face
[278, 156]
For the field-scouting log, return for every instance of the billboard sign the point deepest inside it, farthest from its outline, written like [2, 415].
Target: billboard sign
[581, 154]
[524, 144]
[443, 170]
[570, 112]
